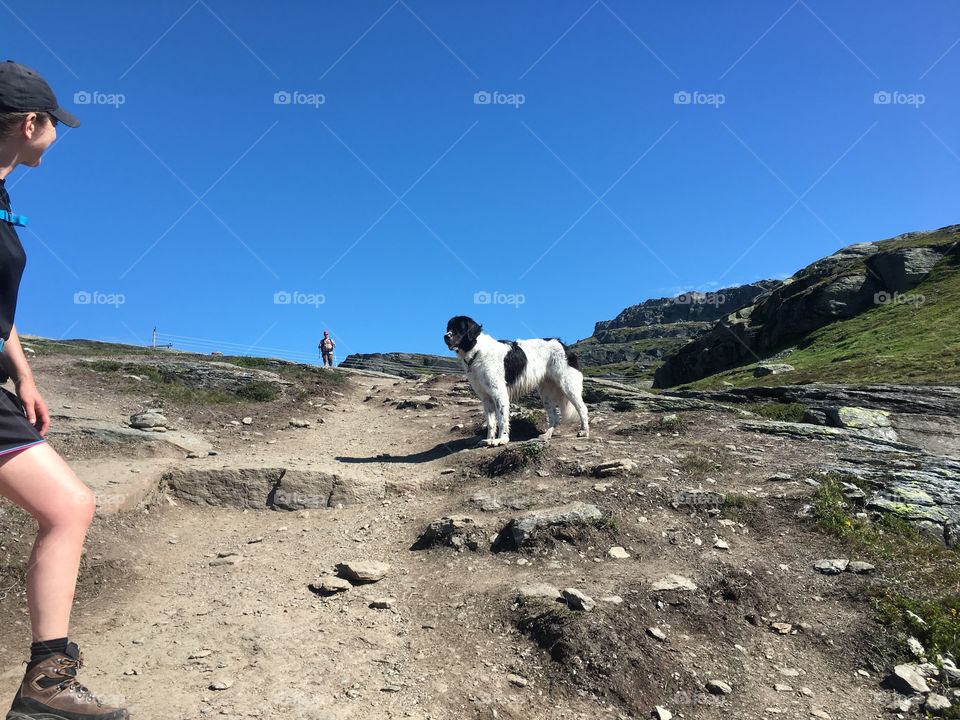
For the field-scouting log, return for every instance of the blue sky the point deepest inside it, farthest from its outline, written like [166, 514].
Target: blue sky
[247, 175]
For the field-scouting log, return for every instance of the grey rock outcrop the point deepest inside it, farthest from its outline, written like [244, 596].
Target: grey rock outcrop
[407, 365]
[643, 335]
[840, 286]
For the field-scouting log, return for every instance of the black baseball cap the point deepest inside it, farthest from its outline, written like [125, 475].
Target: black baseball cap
[22, 89]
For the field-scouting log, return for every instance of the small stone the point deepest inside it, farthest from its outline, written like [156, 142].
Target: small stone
[817, 713]
[540, 590]
[252, 541]
[657, 634]
[661, 713]
[806, 692]
[936, 703]
[831, 567]
[299, 423]
[720, 544]
[221, 685]
[517, 680]
[148, 420]
[247, 420]
[718, 687]
[915, 648]
[199, 654]
[578, 600]
[782, 627]
[330, 586]
[900, 705]
[363, 572]
[673, 582]
[383, 603]
[618, 553]
[780, 687]
[780, 477]
[907, 680]
[612, 599]
[230, 560]
[859, 567]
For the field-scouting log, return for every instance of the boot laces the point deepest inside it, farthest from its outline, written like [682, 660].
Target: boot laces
[71, 666]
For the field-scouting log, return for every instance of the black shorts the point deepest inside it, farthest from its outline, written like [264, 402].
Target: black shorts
[16, 432]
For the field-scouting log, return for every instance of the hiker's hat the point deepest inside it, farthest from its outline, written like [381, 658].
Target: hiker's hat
[23, 89]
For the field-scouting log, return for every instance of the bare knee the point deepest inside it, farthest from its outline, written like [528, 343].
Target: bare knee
[73, 511]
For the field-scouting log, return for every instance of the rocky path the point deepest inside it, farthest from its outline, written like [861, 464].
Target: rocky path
[210, 613]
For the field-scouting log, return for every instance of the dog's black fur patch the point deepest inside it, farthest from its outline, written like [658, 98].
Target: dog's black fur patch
[464, 332]
[514, 362]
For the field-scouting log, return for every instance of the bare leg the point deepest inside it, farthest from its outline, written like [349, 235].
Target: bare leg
[38, 480]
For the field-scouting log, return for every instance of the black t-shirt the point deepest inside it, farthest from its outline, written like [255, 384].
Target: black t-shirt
[12, 261]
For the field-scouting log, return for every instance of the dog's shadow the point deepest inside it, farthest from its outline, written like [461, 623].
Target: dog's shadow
[441, 450]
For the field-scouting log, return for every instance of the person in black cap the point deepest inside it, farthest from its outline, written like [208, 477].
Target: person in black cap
[32, 474]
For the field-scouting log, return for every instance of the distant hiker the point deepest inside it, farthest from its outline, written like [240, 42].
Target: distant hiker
[327, 346]
[32, 474]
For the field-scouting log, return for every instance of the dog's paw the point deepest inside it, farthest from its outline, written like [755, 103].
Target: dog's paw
[494, 442]
[583, 433]
[544, 436]
[487, 442]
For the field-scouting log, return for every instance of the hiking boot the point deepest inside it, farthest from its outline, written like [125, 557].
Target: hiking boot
[50, 691]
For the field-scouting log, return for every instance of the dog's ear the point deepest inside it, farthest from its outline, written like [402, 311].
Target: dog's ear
[473, 329]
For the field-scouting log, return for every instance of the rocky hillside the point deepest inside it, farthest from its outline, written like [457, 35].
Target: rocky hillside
[409, 365]
[879, 312]
[636, 341]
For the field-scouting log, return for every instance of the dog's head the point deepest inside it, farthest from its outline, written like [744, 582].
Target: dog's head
[462, 333]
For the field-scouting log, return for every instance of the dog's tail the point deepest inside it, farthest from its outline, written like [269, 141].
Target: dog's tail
[567, 409]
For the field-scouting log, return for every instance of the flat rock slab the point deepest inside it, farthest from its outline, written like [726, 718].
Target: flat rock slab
[279, 488]
[330, 586]
[543, 591]
[521, 529]
[831, 566]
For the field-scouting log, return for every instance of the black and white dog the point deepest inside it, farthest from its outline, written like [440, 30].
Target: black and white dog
[500, 370]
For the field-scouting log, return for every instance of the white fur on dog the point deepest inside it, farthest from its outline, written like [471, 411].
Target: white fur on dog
[560, 386]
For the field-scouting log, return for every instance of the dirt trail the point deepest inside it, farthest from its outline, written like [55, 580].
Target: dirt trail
[168, 626]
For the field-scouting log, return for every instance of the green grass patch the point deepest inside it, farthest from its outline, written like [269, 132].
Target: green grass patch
[785, 412]
[170, 387]
[698, 465]
[921, 576]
